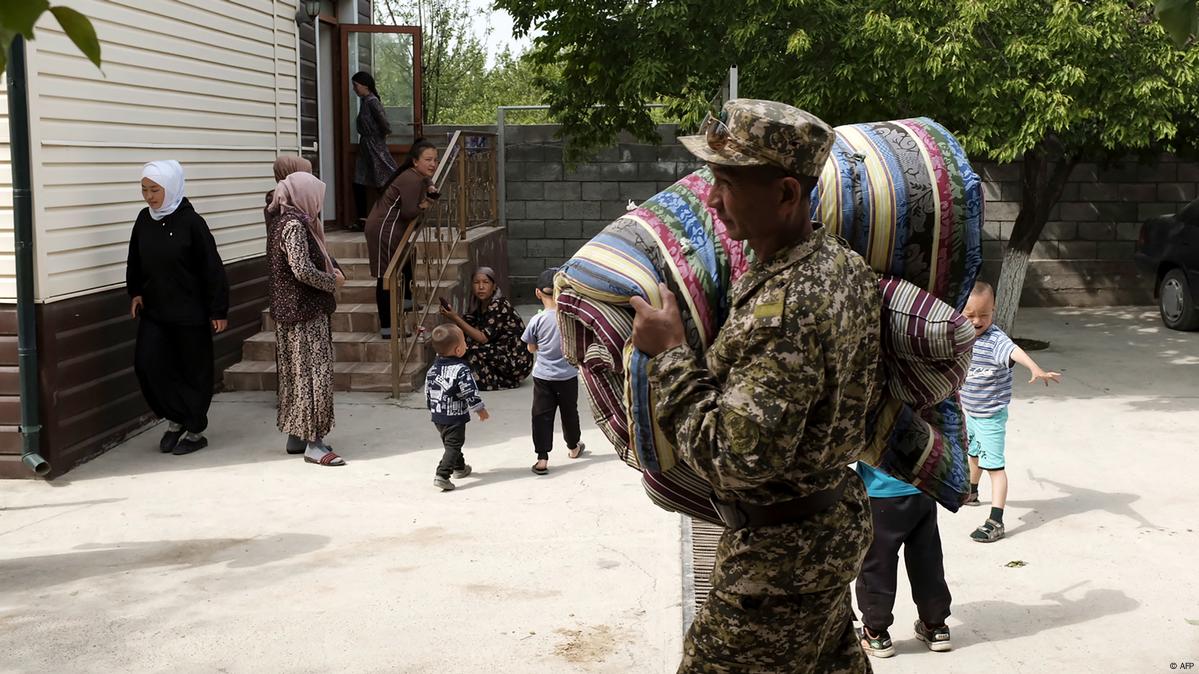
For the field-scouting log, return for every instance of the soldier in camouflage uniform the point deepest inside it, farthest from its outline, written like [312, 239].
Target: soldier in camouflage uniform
[775, 410]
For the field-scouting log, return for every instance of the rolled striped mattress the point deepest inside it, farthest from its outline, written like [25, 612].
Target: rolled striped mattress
[903, 195]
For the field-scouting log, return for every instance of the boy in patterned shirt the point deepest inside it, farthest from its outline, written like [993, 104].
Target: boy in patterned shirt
[451, 394]
[985, 398]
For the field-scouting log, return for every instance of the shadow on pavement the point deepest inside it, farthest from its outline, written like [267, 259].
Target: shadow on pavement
[994, 620]
[69, 504]
[1119, 351]
[566, 465]
[90, 560]
[1078, 500]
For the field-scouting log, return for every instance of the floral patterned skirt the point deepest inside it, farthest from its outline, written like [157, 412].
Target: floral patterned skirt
[304, 362]
[499, 364]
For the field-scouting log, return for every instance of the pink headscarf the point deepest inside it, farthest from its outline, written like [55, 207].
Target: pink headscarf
[305, 193]
[288, 164]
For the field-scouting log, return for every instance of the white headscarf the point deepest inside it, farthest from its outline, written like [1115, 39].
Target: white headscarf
[167, 174]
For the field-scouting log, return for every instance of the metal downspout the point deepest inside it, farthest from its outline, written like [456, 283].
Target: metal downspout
[18, 134]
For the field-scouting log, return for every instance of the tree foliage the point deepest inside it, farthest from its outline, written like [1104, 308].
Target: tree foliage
[1005, 75]
[458, 84]
[1180, 18]
[1045, 83]
[18, 17]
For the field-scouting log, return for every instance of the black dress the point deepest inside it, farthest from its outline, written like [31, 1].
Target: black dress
[504, 361]
[175, 267]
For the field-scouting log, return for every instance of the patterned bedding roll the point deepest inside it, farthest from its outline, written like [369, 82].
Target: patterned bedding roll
[904, 196]
[929, 222]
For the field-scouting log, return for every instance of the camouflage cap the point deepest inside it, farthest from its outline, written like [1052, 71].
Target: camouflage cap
[757, 133]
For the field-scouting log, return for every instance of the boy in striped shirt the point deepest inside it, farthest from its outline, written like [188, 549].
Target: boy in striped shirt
[985, 398]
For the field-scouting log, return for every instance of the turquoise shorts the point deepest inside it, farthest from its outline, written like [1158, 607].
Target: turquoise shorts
[987, 436]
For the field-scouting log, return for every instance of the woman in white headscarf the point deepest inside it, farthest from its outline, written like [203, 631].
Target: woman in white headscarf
[303, 278]
[179, 292]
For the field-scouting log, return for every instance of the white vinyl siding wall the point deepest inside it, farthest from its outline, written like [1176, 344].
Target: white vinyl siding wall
[8, 264]
[211, 83]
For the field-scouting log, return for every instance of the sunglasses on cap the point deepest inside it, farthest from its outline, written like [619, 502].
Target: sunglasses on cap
[718, 137]
[715, 132]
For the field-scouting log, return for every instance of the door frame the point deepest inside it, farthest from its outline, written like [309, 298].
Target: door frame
[345, 149]
[335, 147]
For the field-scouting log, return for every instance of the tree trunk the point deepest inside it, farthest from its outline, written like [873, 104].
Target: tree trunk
[1042, 178]
[1011, 284]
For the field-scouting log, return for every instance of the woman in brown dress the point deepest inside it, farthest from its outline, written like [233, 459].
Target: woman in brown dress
[498, 357]
[374, 165]
[303, 279]
[406, 196]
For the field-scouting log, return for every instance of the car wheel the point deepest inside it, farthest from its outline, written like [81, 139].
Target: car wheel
[1176, 303]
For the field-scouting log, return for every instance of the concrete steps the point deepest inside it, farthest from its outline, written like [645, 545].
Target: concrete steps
[254, 375]
[363, 358]
[348, 347]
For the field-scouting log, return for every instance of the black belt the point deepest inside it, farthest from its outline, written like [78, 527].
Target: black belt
[739, 514]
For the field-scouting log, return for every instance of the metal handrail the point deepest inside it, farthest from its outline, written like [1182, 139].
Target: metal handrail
[469, 199]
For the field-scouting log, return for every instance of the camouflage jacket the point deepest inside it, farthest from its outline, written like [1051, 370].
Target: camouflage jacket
[779, 409]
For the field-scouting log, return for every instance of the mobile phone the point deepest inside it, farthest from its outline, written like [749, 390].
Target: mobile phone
[444, 304]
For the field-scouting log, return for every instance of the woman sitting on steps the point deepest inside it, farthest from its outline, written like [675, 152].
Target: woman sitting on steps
[493, 329]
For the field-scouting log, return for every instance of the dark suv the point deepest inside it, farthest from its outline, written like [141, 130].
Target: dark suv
[1168, 249]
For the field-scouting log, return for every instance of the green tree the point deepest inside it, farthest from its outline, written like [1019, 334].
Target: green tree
[1180, 18]
[458, 86]
[1043, 83]
[509, 81]
[18, 17]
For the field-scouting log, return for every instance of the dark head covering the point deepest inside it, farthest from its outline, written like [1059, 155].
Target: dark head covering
[365, 79]
[546, 280]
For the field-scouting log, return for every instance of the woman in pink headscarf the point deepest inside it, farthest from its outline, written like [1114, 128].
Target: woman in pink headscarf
[303, 279]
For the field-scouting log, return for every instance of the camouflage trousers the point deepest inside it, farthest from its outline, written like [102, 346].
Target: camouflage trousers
[780, 599]
[776, 635]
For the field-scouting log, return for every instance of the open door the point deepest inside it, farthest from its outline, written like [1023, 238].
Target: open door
[392, 54]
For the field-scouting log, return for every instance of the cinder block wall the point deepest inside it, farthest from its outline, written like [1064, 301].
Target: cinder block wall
[1084, 257]
[554, 208]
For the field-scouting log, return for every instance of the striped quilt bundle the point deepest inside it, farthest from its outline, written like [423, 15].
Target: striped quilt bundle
[929, 220]
[904, 196]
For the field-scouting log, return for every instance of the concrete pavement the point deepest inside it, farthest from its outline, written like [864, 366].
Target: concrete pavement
[1097, 572]
[240, 558]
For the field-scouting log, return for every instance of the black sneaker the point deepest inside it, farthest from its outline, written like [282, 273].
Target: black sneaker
[878, 646]
[936, 638]
[973, 500]
[169, 439]
[187, 445]
[443, 483]
[462, 472]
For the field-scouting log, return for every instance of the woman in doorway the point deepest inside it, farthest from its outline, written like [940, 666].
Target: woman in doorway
[493, 329]
[409, 193]
[375, 165]
[303, 279]
[178, 291]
